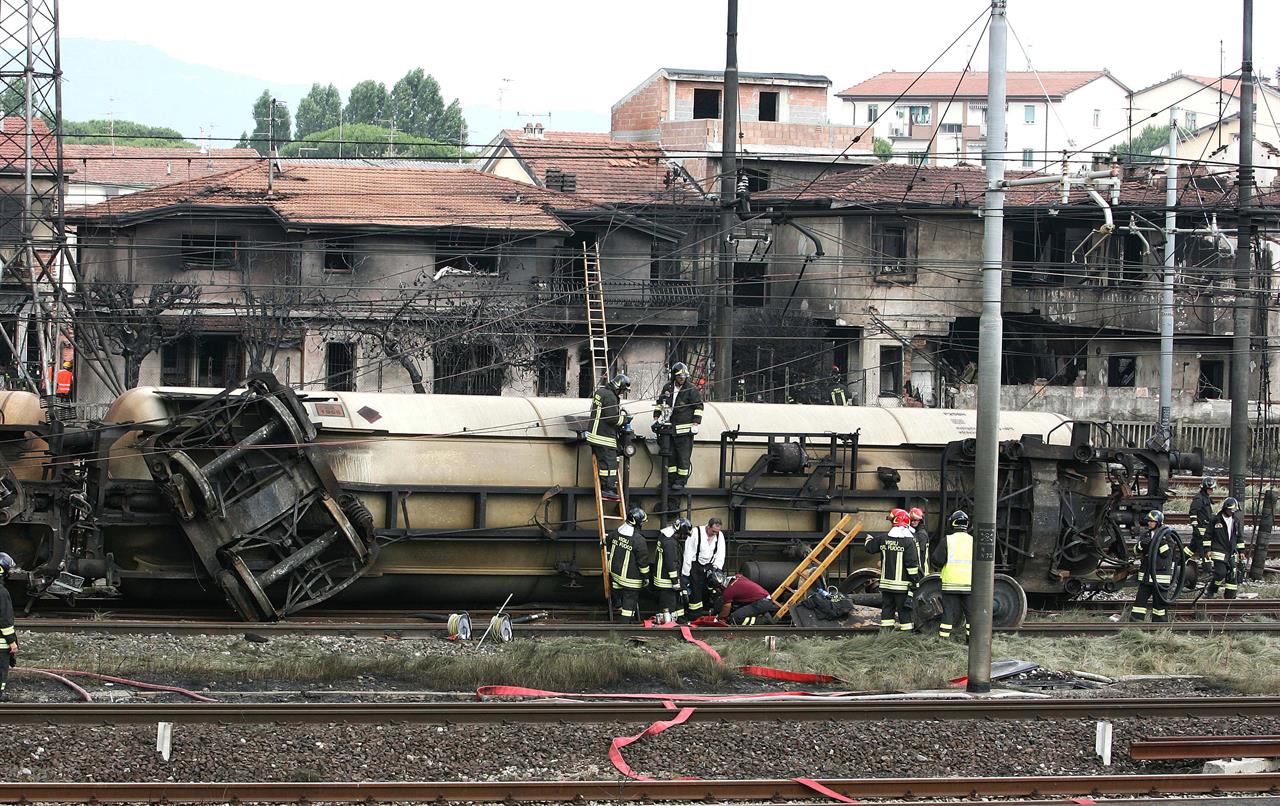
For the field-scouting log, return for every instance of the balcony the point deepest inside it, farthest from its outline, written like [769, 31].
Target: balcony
[622, 298]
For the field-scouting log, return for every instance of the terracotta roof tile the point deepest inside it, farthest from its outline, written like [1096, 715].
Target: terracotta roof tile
[13, 137]
[133, 166]
[606, 170]
[972, 84]
[355, 196]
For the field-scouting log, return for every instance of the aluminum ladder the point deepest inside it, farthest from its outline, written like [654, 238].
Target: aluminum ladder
[812, 567]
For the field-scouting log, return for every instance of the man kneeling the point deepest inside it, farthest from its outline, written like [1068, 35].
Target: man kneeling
[745, 602]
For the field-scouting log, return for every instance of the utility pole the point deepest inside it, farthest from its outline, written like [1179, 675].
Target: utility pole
[1165, 427]
[723, 318]
[1243, 320]
[990, 335]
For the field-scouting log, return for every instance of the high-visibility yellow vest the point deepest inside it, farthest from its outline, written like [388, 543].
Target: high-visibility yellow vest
[957, 574]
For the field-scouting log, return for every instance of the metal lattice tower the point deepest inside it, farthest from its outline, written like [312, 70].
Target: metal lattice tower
[33, 238]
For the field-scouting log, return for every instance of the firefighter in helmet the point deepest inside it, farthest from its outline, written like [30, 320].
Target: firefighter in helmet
[1226, 549]
[607, 420]
[677, 413]
[666, 569]
[954, 556]
[1155, 552]
[629, 564]
[7, 628]
[1201, 516]
[899, 572]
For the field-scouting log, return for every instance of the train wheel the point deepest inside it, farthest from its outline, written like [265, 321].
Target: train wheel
[864, 580]
[1009, 604]
[928, 608]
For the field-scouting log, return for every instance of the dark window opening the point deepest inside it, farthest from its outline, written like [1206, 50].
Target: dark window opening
[890, 371]
[468, 255]
[472, 369]
[1212, 383]
[664, 263]
[339, 257]
[750, 284]
[11, 213]
[553, 370]
[210, 251]
[706, 104]
[757, 179]
[894, 258]
[1039, 252]
[557, 179]
[210, 360]
[768, 106]
[1122, 370]
[340, 366]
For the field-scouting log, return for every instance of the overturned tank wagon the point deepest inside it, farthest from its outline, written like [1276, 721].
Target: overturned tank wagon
[276, 500]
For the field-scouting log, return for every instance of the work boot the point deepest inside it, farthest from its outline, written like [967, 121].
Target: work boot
[609, 495]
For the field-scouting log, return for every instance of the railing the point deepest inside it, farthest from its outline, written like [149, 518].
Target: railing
[617, 293]
[1213, 439]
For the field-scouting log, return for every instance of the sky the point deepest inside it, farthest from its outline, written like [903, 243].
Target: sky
[511, 62]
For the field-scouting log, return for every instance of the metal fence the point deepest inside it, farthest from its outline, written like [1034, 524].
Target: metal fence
[571, 292]
[1211, 438]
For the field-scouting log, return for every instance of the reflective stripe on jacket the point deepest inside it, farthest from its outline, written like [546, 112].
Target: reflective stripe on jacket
[899, 559]
[628, 558]
[606, 418]
[957, 562]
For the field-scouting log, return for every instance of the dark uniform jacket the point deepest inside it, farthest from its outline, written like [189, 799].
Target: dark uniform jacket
[922, 548]
[899, 558]
[606, 418]
[686, 408]
[1201, 513]
[1221, 546]
[628, 558]
[666, 560]
[6, 617]
[1155, 556]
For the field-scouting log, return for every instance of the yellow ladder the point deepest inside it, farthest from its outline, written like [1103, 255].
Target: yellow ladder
[811, 568]
[597, 333]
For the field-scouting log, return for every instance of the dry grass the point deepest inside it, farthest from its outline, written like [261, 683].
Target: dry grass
[1245, 663]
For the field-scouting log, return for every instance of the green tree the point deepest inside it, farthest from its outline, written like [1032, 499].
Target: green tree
[1140, 148]
[367, 103]
[882, 149]
[453, 126]
[270, 123]
[318, 110]
[244, 140]
[416, 104]
[123, 133]
[366, 140]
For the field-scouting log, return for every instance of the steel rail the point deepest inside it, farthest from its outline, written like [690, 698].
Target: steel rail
[600, 709]
[407, 629]
[1164, 748]
[628, 791]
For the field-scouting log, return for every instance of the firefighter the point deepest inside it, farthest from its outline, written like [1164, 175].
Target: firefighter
[1226, 546]
[629, 564]
[704, 552]
[607, 419]
[1201, 515]
[7, 629]
[745, 602]
[1155, 569]
[666, 570]
[62, 381]
[839, 395]
[899, 572]
[922, 537]
[678, 412]
[954, 556]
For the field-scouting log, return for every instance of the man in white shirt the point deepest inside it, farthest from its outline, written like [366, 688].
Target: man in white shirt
[703, 552]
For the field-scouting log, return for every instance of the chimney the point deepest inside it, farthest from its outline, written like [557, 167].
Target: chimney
[533, 130]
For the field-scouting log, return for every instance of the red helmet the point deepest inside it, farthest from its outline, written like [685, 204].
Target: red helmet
[917, 514]
[901, 517]
[894, 513]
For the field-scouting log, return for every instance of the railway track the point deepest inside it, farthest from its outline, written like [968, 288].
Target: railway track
[762, 790]
[792, 709]
[419, 629]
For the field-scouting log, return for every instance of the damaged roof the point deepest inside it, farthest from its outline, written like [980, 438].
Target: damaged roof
[136, 166]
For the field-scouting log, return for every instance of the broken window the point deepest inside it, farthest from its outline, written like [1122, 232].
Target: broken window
[211, 360]
[750, 284]
[339, 256]
[706, 104]
[1122, 370]
[768, 106]
[553, 370]
[461, 254]
[1212, 383]
[757, 179]
[339, 366]
[471, 369]
[175, 362]
[890, 371]
[664, 262]
[209, 251]
[893, 242]
[557, 179]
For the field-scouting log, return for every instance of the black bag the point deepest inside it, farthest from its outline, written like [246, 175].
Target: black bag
[829, 604]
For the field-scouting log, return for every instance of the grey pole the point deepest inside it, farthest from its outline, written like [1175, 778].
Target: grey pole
[1165, 428]
[990, 334]
[1242, 324]
[723, 329]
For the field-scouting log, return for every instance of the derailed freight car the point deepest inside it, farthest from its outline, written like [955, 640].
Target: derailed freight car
[279, 500]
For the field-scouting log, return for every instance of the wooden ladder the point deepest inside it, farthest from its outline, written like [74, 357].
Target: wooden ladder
[812, 567]
[598, 340]
[597, 333]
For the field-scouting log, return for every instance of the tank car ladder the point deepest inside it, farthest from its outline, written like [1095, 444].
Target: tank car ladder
[812, 567]
[598, 341]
